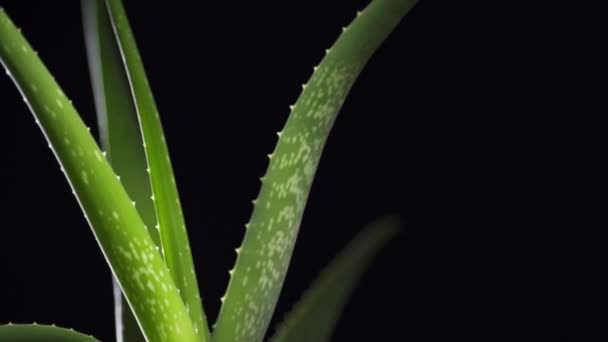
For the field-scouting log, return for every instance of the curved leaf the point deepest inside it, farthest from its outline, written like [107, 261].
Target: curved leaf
[314, 317]
[119, 230]
[120, 136]
[174, 237]
[41, 333]
[264, 256]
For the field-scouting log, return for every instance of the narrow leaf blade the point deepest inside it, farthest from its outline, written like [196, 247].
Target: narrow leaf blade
[174, 237]
[264, 256]
[117, 116]
[120, 135]
[120, 232]
[314, 317]
[41, 333]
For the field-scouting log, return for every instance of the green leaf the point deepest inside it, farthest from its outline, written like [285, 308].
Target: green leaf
[314, 317]
[41, 333]
[174, 237]
[264, 256]
[117, 226]
[120, 135]
[116, 113]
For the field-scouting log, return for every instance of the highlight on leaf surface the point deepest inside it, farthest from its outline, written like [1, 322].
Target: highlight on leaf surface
[155, 268]
[263, 258]
[173, 235]
[119, 135]
[115, 222]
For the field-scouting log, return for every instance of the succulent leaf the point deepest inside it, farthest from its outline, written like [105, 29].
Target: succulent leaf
[41, 333]
[264, 256]
[119, 135]
[171, 223]
[116, 224]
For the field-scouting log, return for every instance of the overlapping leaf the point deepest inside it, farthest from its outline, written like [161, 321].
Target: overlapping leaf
[119, 229]
[173, 235]
[120, 135]
[266, 250]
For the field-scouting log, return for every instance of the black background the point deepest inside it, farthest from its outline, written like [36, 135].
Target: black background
[449, 125]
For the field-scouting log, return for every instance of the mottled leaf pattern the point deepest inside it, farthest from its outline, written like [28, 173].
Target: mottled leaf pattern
[174, 238]
[120, 136]
[121, 233]
[264, 256]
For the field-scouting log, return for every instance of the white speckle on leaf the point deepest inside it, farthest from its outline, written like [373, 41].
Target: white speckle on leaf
[85, 177]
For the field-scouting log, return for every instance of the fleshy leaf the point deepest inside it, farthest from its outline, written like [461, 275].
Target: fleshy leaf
[117, 226]
[41, 333]
[264, 256]
[120, 136]
[314, 317]
[173, 234]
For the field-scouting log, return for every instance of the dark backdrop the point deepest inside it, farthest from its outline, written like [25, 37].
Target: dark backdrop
[446, 126]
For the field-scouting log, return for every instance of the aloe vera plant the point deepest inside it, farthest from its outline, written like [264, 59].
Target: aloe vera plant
[128, 192]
